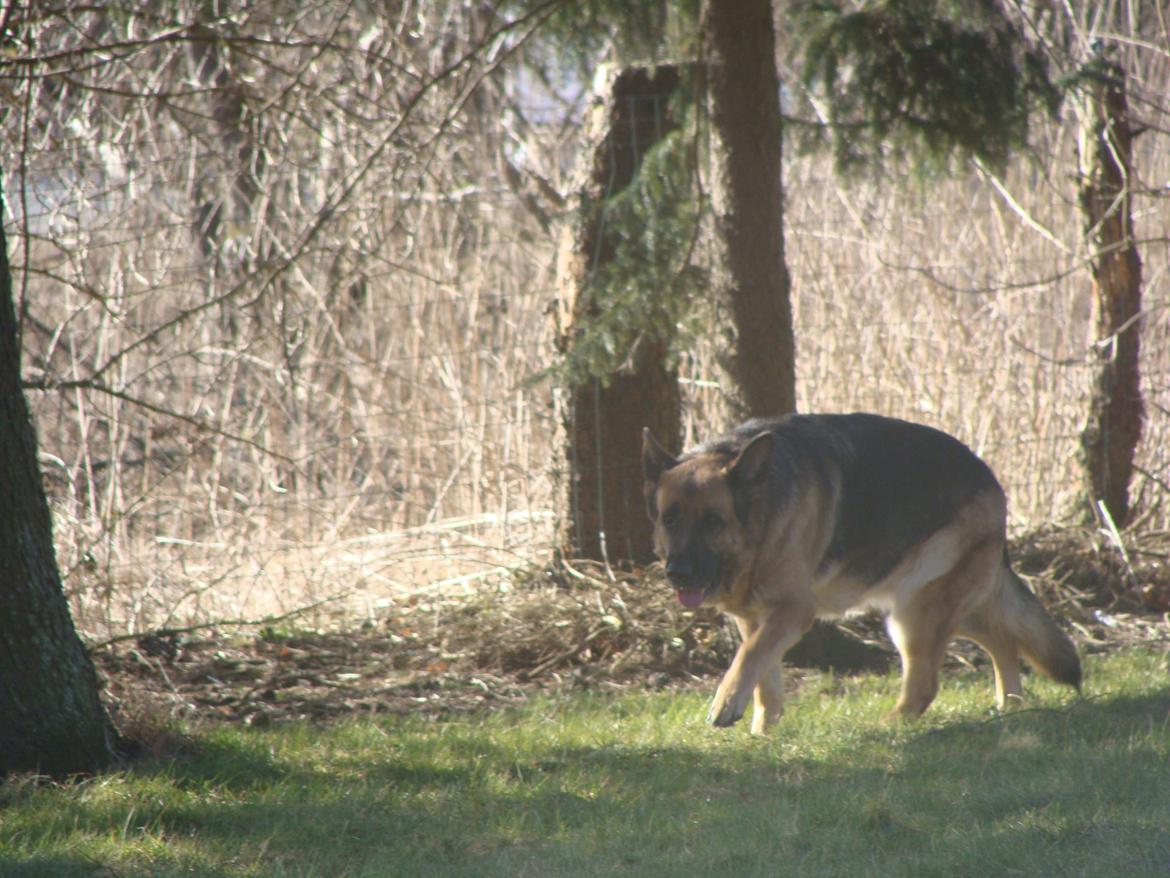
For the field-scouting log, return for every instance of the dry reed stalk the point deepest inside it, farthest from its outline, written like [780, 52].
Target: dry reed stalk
[382, 381]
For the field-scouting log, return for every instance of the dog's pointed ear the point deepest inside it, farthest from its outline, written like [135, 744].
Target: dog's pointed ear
[751, 464]
[655, 459]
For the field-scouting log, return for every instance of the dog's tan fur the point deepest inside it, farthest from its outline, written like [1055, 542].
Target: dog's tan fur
[775, 579]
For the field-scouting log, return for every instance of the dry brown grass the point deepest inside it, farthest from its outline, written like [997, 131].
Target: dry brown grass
[360, 432]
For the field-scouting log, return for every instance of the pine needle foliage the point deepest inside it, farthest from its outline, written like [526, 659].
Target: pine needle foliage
[921, 79]
[581, 31]
[646, 287]
[645, 290]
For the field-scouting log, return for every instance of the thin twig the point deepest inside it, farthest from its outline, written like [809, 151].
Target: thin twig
[221, 623]
[199, 423]
[1029, 220]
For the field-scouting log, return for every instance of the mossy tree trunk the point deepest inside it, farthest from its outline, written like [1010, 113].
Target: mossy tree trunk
[604, 513]
[51, 717]
[748, 197]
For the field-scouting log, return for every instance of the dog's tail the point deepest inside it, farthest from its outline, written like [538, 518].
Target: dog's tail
[1043, 644]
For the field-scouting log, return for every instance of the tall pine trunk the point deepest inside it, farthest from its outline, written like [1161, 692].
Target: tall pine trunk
[51, 717]
[748, 196]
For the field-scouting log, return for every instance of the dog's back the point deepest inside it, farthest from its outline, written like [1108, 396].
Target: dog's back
[896, 482]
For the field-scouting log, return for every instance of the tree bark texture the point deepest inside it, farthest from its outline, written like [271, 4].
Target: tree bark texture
[748, 195]
[52, 720]
[1116, 411]
[606, 516]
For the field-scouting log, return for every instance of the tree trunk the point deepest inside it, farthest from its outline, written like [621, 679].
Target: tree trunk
[606, 516]
[608, 511]
[748, 195]
[1114, 426]
[53, 721]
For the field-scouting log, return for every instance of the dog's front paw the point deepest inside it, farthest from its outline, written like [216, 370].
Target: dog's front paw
[763, 719]
[726, 710]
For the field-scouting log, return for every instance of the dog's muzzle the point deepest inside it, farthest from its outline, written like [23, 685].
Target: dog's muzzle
[680, 573]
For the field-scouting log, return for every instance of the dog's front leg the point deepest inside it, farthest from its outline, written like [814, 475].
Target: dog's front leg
[765, 642]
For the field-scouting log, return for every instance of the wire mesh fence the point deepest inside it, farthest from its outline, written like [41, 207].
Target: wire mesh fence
[281, 351]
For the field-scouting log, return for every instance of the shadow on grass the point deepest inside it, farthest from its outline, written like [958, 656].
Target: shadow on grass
[1078, 790]
[48, 867]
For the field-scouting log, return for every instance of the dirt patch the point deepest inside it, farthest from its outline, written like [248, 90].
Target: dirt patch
[569, 627]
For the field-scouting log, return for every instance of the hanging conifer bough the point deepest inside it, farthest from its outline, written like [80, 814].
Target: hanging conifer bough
[641, 282]
[925, 79]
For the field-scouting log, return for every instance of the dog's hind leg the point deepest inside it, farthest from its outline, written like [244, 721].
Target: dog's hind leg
[929, 618]
[985, 629]
[1011, 623]
[922, 648]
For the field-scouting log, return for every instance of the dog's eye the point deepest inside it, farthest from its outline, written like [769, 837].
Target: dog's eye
[712, 521]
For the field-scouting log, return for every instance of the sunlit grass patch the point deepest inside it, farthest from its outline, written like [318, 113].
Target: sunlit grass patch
[635, 783]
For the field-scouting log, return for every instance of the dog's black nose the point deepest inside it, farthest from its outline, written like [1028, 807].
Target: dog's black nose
[679, 571]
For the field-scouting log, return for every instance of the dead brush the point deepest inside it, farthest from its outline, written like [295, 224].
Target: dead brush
[571, 618]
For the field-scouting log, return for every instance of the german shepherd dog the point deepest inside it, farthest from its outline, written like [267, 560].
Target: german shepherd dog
[786, 520]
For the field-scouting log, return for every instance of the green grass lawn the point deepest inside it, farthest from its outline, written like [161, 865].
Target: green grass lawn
[636, 784]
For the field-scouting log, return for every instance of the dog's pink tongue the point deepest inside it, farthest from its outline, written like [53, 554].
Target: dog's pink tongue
[690, 597]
